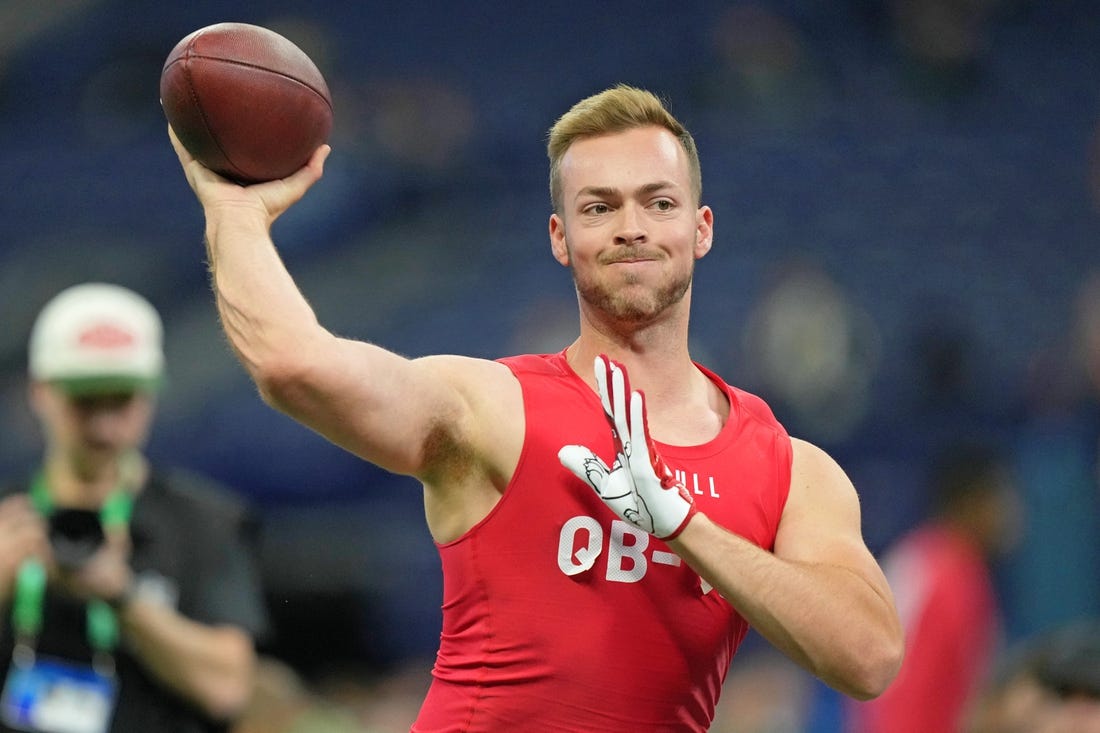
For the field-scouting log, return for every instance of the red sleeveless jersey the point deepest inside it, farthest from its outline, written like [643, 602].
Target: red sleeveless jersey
[559, 616]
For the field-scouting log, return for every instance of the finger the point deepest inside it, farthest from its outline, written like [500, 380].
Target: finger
[619, 414]
[625, 376]
[602, 367]
[184, 156]
[320, 155]
[195, 171]
[17, 515]
[23, 540]
[190, 164]
[639, 432]
[643, 442]
[312, 171]
[585, 465]
[17, 508]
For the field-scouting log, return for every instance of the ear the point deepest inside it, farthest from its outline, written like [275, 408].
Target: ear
[39, 396]
[36, 393]
[558, 246]
[704, 231]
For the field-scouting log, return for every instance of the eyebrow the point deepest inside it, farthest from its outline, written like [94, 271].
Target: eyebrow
[604, 191]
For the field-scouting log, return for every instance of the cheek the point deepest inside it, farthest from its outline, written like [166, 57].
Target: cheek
[140, 420]
[579, 250]
[126, 425]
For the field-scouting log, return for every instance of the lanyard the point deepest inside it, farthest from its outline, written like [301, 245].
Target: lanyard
[30, 583]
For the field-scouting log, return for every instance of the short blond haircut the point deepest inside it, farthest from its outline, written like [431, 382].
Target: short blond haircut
[617, 109]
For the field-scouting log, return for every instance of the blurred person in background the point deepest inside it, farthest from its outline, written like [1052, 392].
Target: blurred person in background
[1057, 455]
[282, 702]
[129, 596]
[588, 585]
[941, 574]
[1049, 683]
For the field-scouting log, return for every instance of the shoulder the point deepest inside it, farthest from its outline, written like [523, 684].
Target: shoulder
[815, 470]
[747, 405]
[753, 405]
[14, 485]
[810, 457]
[544, 364]
[822, 514]
[199, 495]
[470, 375]
[488, 388]
[819, 487]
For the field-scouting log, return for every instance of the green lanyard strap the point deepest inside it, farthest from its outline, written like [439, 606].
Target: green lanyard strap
[102, 626]
[114, 514]
[30, 584]
[30, 590]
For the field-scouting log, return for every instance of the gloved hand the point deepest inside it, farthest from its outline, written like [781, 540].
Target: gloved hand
[638, 486]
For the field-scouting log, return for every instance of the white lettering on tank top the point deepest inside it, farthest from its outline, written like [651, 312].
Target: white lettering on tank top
[691, 481]
[629, 556]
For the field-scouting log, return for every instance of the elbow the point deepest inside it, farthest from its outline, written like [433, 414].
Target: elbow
[229, 702]
[875, 668]
[227, 695]
[282, 365]
[280, 379]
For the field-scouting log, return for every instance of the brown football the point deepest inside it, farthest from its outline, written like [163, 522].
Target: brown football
[245, 101]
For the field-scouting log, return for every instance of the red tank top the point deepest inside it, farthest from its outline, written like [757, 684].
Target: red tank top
[558, 616]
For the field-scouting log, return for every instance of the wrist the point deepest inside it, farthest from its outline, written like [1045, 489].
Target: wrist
[123, 599]
[691, 511]
[236, 218]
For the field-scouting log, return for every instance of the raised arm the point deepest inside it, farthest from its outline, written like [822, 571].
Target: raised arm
[820, 597]
[407, 416]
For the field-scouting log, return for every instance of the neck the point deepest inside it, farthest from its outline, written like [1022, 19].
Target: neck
[654, 353]
[647, 368]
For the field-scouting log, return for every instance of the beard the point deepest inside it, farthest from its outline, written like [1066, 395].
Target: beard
[630, 301]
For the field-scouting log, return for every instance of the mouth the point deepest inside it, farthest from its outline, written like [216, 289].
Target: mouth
[631, 258]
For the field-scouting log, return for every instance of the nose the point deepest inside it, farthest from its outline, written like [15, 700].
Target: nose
[631, 226]
[105, 421]
[103, 427]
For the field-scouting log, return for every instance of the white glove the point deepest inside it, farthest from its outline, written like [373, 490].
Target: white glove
[638, 486]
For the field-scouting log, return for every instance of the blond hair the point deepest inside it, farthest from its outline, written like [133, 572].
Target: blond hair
[617, 109]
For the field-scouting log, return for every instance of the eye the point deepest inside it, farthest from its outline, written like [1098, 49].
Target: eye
[664, 205]
[102, 402]
[597, 209]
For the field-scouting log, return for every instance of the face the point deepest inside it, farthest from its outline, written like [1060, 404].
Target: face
[630, 228]
[91, 432]
[1001, 514]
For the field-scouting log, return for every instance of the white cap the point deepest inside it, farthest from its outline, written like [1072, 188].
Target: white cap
[97, 337]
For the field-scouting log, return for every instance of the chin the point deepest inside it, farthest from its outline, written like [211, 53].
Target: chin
[633, 301]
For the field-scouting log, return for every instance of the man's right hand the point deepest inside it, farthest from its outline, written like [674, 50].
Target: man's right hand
[269, 199]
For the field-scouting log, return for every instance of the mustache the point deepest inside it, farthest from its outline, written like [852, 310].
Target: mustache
[626, 254]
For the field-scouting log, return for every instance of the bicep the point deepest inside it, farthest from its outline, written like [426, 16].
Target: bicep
[383, 407]
[821, 521]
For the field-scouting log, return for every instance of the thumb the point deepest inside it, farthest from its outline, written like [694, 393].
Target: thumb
[584, 464]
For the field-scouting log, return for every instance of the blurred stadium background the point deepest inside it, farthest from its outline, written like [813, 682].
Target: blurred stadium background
[907, 198]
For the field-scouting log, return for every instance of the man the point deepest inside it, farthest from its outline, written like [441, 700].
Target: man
[129, 597]
[585, 587]
[1048, 683]
[941, 572]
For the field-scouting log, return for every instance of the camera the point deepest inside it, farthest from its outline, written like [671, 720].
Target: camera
[75, 535]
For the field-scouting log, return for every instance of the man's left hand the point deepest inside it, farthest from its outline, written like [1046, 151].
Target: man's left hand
[638, 486]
